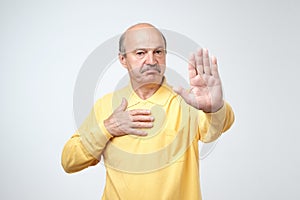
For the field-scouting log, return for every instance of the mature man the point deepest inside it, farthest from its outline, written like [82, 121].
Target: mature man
[148, 132]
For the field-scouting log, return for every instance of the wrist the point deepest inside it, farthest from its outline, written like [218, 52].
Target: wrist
[108, 126]
[214, 108]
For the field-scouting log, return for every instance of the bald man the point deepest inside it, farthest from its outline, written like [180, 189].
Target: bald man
[148, 132]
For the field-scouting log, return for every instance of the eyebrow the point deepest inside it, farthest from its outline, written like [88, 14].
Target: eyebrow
[159, 47]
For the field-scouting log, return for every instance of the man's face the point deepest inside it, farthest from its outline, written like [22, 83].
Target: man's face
[145, 57]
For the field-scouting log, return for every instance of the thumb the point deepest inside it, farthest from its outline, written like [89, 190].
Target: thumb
[123, 105]
[185, 94]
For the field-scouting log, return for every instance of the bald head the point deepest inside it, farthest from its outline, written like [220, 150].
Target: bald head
[139, 26]
[136, 31]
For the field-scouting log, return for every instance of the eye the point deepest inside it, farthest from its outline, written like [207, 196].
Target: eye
[158, 52]
[140, 53]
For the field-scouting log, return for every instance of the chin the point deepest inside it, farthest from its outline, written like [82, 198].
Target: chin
[151, 79]
[155, 79]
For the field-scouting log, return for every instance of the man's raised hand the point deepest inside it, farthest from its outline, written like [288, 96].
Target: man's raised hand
[205, 84]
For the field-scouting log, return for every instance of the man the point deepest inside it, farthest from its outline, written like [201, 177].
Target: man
[148, 132]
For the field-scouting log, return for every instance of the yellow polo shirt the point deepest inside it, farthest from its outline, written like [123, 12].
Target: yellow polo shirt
[160, 166]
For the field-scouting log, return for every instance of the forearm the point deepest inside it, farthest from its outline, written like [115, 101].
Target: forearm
[212, 125]
[85, 147]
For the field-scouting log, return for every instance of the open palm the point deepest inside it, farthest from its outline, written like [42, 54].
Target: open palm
[205, 84]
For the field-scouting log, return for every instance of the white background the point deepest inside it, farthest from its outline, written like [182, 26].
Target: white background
[43, 45]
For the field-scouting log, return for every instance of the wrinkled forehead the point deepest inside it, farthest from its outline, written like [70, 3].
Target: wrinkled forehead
[143, 38]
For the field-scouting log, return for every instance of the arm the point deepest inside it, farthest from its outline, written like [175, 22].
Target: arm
[212, 125]
[75, 157]
[85, 148]
[206, 96]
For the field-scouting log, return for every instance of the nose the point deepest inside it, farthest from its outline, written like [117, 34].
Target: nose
[150, 58]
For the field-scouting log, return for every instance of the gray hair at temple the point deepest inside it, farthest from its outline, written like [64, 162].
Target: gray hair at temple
[122, 49]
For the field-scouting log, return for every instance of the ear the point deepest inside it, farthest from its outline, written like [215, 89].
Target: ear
[122, 59]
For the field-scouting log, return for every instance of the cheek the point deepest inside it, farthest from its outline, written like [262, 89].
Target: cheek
[162, 64]
[135, 64]
[134, 69]
[162, 61]
[163, 69]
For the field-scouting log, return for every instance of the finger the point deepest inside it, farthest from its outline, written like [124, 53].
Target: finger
[192, 66]
[142, 118]
[214, 67]
[199, 61]
[206, 62]
[138, 132]
[123, 105]
[142, 125]
[139, 112]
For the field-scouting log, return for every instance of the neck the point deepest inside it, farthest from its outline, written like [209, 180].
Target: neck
[145, 91]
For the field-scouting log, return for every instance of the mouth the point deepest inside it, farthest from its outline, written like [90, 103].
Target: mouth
[151, 71]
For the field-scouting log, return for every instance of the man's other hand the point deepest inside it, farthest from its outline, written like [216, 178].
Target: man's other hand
[124, 122]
